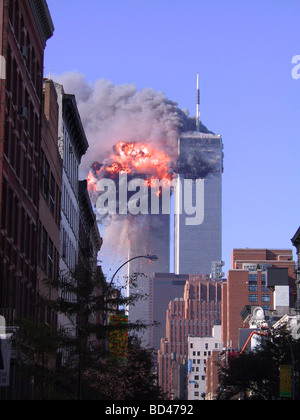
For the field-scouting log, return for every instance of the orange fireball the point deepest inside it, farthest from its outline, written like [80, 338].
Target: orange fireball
[133, 158]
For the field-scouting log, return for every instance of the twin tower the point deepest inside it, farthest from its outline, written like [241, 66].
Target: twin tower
[184, 248]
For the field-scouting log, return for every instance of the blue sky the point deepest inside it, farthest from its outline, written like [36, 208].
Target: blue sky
[243, 52]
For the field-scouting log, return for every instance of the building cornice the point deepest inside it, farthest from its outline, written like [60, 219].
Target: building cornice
[72, 117]
[43, 19]
[296, 238]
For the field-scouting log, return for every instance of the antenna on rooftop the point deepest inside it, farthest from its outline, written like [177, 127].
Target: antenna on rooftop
[198, 105]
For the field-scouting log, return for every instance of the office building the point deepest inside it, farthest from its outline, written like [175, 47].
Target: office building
[199, 350]
[247, 284]
[193, 314]
[260, 290]
[164, 288]
[197, 246]
[153, 238]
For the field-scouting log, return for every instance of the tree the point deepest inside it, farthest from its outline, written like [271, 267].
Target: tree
[132, 380]
[255, 375]
[86, 371]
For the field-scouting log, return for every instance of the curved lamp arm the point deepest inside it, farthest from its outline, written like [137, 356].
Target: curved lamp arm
[148, 257]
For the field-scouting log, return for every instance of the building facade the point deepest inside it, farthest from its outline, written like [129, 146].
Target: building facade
[164, 288]
[153, 238]
[90, 241]
[49, 204]
[24, 30]
[193, 314]
[25, 27]
[247, 283]
[296, 242]
[199, 351]
[197, 246]
[72, 145]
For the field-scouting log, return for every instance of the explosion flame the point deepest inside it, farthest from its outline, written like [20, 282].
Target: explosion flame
[132, 158]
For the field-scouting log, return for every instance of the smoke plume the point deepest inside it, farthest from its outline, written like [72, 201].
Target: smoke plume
[116, 113]
[112, 113]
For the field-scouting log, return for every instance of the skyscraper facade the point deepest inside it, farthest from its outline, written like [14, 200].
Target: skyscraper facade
[198, 242]
[193, 314]
[164, 287]
[154, 239]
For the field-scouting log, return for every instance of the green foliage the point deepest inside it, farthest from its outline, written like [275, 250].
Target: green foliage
[72, 362]
[255, 375]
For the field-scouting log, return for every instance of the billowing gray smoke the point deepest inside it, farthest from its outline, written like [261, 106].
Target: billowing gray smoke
[113, 113]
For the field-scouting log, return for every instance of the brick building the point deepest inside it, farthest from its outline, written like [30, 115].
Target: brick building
[258, 278]
[49, 201]
[25, 26]
[24, 29]
[193, 314]
[247, 284]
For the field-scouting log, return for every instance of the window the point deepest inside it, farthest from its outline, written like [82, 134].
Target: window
[266, 298]
[264, 282]
[252, 298]
[252, 282]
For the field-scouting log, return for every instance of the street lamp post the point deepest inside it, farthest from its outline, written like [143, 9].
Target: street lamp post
[148, 257]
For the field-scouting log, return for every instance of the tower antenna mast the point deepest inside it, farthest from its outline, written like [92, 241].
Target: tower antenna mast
[198, 105]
